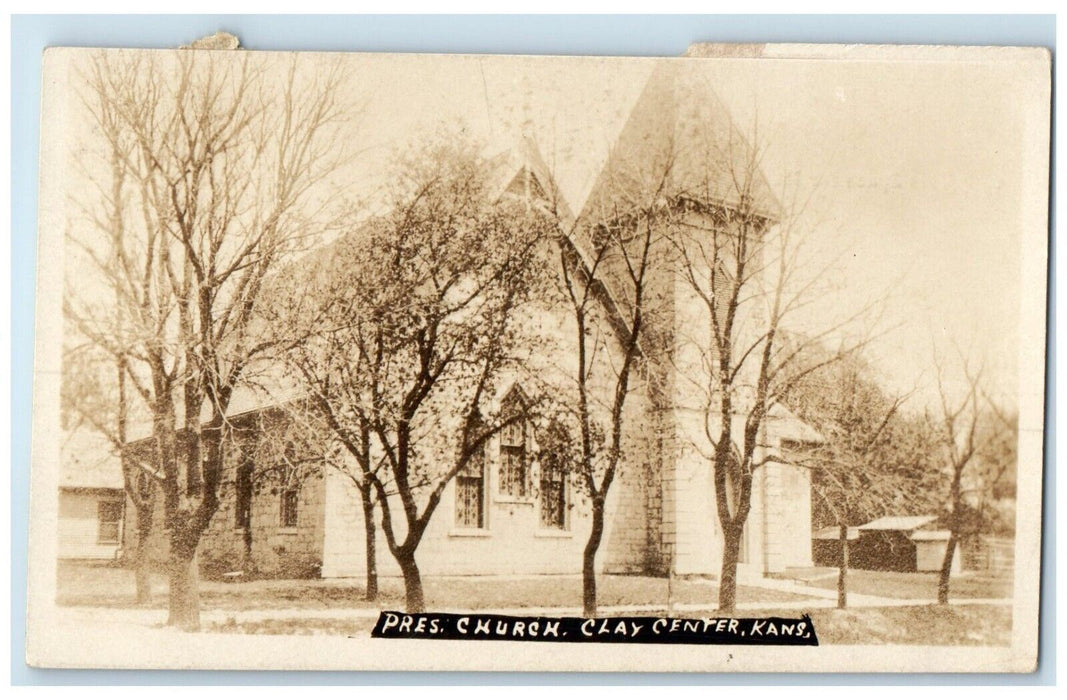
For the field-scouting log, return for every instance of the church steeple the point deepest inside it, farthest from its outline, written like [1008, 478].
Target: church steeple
[679, 116]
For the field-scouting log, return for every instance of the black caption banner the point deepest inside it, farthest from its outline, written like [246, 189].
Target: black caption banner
[780, 631]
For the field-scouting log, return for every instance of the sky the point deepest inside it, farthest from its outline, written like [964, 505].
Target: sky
[909, 174]
[915, 174]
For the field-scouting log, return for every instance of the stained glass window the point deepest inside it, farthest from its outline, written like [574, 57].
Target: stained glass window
[514, 464]
[553, 494]
[470, 493]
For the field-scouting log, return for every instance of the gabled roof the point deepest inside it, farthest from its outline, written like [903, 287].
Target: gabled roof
[677, 105]
[522, 171]
[88, 461]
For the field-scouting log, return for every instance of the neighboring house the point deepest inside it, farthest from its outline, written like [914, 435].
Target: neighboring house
[892, 543]
[511, 514]
[91, 500]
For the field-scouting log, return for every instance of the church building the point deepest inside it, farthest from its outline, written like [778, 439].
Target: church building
[508, 514]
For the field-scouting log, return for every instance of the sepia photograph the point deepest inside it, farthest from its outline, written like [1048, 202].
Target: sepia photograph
[726, 362]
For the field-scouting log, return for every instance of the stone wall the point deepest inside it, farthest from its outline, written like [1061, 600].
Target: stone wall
[275, 551]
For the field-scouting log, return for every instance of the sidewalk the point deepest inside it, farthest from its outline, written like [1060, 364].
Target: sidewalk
[827, 598]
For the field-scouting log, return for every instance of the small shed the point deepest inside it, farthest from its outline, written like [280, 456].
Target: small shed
[885, 543]
[904, 543]
[891, 543]
[826, 545]
[930, 550]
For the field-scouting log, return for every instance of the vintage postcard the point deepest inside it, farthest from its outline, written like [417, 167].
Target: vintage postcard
[363, 361]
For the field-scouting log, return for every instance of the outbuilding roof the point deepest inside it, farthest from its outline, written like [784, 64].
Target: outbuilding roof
[899, 522]
[833, 532]
[788, 427]
[930, 535]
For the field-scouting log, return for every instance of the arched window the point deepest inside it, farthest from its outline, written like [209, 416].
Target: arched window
[553, 478]
[514, 453]
[470, 491]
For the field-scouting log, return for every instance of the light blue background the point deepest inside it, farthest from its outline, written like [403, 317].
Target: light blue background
[635, 35]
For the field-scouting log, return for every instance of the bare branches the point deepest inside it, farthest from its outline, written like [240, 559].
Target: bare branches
[976, 441]
[874, 459]
[737, 253]
[405, 326]
[213, 178]
[972, 431]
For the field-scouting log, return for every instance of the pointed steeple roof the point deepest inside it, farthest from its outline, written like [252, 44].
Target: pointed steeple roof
[679, 116]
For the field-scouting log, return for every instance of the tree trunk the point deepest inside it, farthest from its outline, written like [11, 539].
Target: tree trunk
[731, 549]
[589, 561]
[842, 571]
[371, 541]
[670, 589]
[946, 569]
[143, 582]
[142, 577]
[414, 601]
[248, 566]
[184, 594]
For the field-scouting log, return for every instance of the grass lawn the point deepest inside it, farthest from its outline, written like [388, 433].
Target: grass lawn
[961, 625]
[337, 627]
[967, 625]
[105, 586]
[891, 584]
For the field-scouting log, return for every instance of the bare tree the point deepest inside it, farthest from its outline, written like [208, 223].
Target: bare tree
[873, 458]
[315, 349]
[608, 262]
[222, 169]
[739, 254]
[971, 431]
[106, 334]
[415, 323]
